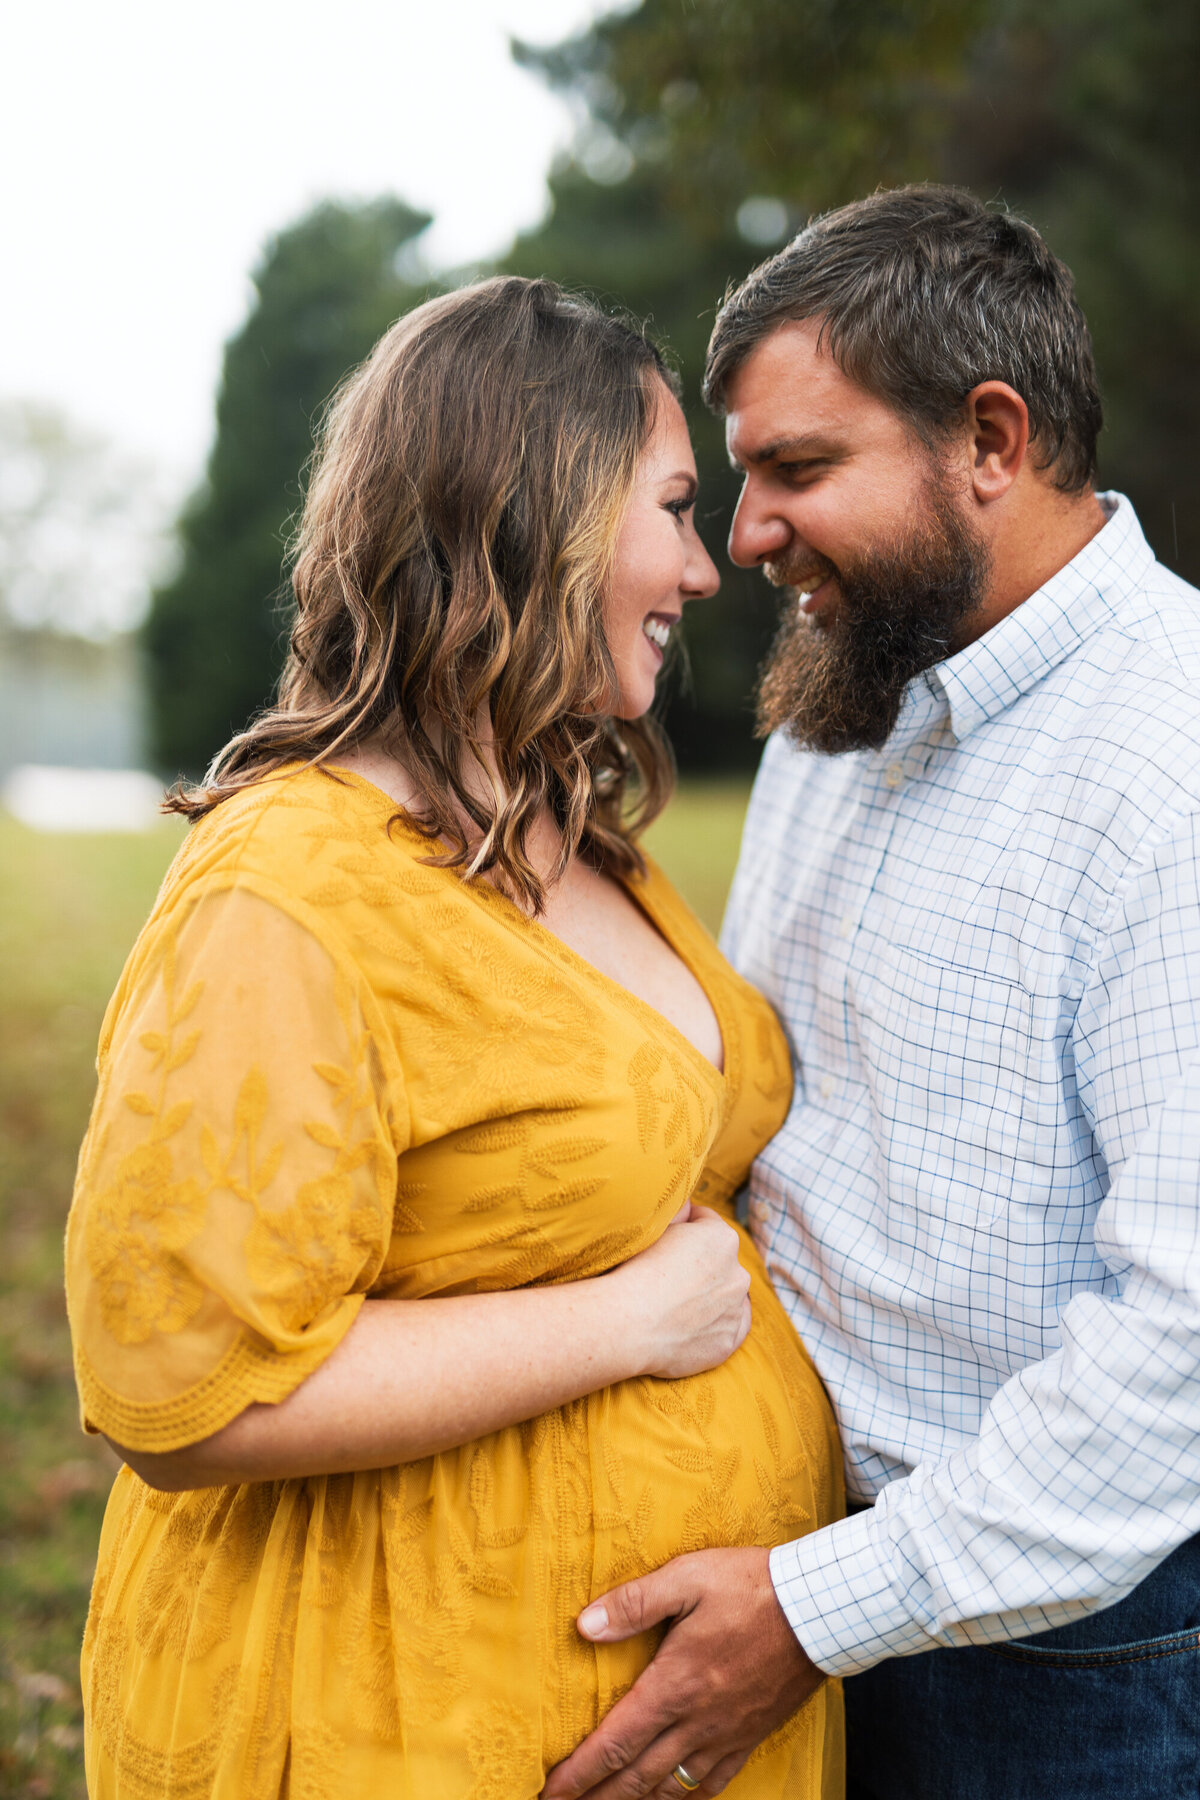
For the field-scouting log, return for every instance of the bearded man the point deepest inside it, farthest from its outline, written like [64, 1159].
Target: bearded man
[970, 883]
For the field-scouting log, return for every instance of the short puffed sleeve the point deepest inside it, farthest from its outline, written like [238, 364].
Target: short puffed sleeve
[236, 1187]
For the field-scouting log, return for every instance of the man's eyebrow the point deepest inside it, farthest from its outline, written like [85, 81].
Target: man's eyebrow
[808, 443]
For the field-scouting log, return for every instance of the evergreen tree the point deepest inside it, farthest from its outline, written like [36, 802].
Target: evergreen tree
[327, 288]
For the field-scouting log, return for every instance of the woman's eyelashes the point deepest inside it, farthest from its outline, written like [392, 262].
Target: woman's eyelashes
[682, 506]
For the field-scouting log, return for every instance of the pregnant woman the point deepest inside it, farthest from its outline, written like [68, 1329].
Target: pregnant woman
[401, 1267]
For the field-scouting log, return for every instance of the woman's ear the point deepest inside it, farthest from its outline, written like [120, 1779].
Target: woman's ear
[998, 436]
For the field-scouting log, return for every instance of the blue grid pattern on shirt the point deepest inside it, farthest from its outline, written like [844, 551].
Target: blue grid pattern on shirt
[981, 1212]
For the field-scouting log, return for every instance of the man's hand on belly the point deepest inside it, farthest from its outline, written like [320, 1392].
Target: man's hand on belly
[727, 1673]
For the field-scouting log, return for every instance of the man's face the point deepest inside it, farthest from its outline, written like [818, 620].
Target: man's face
[843, 505]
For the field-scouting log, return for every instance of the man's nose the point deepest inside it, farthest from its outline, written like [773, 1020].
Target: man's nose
[756, 535]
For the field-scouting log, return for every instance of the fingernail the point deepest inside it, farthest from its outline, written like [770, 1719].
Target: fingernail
[593, 1620]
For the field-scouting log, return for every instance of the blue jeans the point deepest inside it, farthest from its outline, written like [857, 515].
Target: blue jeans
[1108, 1706]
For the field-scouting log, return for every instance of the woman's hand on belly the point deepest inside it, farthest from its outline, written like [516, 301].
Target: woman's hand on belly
[414, 1377]
[688, 1293]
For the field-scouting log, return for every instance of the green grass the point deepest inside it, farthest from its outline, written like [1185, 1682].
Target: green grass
[696, 841]
[70, 908]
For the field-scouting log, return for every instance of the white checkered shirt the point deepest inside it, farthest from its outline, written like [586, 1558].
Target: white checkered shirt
[983, 1210]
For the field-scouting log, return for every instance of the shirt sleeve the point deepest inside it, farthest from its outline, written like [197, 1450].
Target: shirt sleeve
[236, 1187]
[1086, 1470]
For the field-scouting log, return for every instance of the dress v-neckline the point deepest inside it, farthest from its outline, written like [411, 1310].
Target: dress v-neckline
[627, 994]
[487, 895]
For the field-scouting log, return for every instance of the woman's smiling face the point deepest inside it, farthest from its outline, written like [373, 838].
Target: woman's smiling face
[659, 563]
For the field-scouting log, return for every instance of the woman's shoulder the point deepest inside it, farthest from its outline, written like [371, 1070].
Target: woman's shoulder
[314, 837]
[315, 847]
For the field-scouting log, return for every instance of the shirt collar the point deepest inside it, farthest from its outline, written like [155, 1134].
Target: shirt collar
[980, 681]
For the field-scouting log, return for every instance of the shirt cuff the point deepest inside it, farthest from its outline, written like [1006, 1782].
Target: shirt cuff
[839, 1598]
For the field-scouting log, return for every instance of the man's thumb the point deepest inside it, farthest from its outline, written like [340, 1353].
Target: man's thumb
[632, 1608]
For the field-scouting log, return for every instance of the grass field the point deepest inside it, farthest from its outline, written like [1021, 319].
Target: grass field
[70, 908]
[696, 841]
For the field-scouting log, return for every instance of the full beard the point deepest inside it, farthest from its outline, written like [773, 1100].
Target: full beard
[837, 684]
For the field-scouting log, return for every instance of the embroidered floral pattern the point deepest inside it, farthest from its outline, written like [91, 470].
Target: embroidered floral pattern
[138, 1228]
[333, 1071]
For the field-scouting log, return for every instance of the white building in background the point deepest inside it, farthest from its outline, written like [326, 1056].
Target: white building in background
[83, 537]
[70, 702]
[72, 734]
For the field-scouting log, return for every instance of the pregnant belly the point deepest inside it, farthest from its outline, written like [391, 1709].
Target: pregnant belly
[427, 1612]
[746, 1453]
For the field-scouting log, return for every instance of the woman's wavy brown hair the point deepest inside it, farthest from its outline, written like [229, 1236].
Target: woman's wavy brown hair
[450, 570]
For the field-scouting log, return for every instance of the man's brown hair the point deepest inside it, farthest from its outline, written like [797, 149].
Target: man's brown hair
[922, 293]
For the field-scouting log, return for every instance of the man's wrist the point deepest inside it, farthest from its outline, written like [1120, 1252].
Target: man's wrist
[837, 1595]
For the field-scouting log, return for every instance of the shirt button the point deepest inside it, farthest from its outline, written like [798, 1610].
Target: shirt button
[893, 775]
[846, 926]
[827, 1086]
[758, 1211]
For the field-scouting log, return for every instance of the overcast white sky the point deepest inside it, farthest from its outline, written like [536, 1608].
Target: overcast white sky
[150, 147]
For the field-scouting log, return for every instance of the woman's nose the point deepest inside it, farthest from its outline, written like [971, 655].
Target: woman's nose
[702, 577]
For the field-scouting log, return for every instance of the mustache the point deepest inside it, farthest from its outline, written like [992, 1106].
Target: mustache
[800, 573]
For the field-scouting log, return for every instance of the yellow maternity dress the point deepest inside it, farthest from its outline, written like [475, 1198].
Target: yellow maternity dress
[330, 1071]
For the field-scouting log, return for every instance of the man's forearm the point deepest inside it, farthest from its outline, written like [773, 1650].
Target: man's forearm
[1086, 1474]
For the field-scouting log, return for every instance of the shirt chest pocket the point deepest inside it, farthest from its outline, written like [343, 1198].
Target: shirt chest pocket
[947, 1057]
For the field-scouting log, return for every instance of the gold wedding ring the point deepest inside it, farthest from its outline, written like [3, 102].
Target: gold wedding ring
[684, 1779]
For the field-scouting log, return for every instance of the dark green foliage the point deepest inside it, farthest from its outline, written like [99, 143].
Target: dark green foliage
[1095, 136]
[1080, 114]
[814, 101]
[327, 288]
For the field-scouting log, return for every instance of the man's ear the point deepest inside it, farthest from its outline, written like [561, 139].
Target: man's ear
[998, 437]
